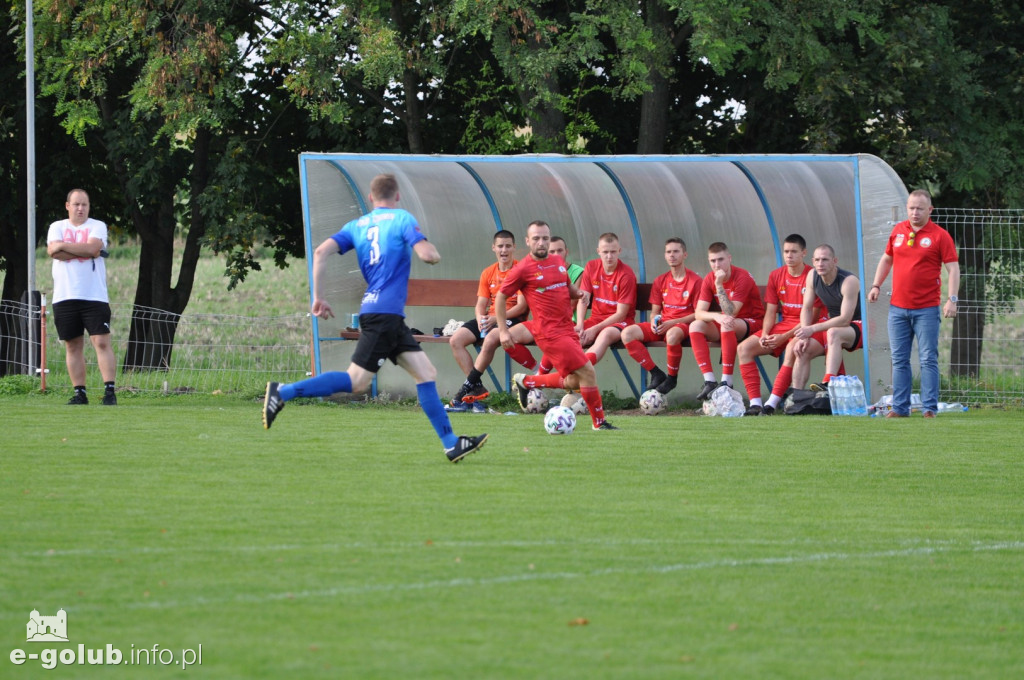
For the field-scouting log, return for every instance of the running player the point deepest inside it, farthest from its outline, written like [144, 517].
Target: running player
[384, 241]
[544, 281]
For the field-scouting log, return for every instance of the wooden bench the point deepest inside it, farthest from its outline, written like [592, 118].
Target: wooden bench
[462, 293]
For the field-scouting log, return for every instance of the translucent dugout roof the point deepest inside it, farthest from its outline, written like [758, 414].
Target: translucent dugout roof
[750, 202]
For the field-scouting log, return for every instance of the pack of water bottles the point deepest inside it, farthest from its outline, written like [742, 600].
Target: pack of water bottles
[846, 396]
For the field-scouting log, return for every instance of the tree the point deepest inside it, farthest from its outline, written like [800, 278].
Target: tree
[163, 95]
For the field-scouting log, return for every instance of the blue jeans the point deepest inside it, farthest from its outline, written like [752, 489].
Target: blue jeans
[904, 326]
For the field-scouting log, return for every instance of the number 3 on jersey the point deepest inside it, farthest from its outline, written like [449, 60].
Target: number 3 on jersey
[373, 236]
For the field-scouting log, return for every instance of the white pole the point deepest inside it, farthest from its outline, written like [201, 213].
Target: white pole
[30, 171]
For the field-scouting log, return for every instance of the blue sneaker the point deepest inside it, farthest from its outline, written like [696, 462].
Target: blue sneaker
[457, 408]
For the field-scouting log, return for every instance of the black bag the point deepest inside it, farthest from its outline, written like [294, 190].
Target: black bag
[807, 403]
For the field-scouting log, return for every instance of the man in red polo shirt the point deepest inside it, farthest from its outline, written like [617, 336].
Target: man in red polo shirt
[673, 299]
[609, 285]
[729, 309]
[916, 252]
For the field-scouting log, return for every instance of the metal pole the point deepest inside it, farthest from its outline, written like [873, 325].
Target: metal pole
[30, 171]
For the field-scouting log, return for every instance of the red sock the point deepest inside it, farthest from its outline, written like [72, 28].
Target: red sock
[728, 352]
[639, 352]
[547, 380]
[699, 345]
[673, 353]
[782, 380]
[751, 379]
[545, 366]
[522, 356]
[592, 396]
[592, 358]
[828, 376]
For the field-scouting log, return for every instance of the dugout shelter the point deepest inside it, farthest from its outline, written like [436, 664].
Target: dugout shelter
[750, 202]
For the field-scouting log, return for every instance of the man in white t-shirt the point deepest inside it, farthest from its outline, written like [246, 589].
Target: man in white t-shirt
[80, 302]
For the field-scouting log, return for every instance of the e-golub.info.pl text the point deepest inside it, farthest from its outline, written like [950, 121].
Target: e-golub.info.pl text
[110, 656]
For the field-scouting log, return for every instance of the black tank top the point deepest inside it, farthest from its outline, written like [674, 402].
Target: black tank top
[832, 294]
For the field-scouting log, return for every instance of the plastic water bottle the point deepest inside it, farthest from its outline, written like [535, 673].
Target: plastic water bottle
[951, 407]
[656, 321]
[483, 331]
[846, 389]
[860, 400]
[833, 395]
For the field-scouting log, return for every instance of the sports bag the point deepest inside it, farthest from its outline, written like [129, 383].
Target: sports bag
[807, 403]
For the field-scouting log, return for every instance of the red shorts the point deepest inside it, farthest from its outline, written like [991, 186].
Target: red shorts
[858, 337]
[651, 336]
[591, 322]
[563, 352]
[753, 326]
[779, 328]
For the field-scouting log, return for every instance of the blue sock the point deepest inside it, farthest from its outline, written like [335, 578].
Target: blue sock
[323, 385]
[430, 402]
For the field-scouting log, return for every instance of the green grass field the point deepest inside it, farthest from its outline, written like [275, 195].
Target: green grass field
[341, 543]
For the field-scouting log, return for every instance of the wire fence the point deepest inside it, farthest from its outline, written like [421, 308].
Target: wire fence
[981, 353]
[207, 353]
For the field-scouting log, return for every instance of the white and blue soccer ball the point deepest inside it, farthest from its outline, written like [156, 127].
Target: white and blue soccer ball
[560, 420]
[536, 402]
[575, 403]
[652, 402]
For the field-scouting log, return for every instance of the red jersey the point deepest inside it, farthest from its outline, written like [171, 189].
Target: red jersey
[545, 284]
[490, 283]
[786, 292]
[676, 298]
[609, 290]
[740, 287]
[917, 269]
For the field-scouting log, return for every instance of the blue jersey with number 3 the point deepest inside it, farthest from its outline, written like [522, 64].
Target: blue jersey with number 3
[383, 241]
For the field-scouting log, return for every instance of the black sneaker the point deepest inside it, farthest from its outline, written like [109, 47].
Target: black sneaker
[667, 385]
[709, 387]
[818, 387]
[475, 393]
[767, 410]
[657, 376]
[78, 399]
[457, 399]
[754, 410]
[521, 389]
[272, 405]
[605, 426]
[109, 398]
[464, 447]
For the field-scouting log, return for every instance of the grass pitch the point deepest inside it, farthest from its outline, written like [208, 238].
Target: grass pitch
[342, 544]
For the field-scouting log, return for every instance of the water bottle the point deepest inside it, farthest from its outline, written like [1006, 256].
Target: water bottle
[483, 331]
[833, 395]
[846, 387]
[951, 407]
[860, 400]
[656, 321]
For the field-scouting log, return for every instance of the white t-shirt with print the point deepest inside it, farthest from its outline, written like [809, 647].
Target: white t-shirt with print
[81, 278]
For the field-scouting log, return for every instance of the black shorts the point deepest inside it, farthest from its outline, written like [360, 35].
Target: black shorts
[73, 317]
[474, 324]
[382, 336]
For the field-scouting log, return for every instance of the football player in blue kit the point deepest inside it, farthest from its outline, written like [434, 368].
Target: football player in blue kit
[384, 240]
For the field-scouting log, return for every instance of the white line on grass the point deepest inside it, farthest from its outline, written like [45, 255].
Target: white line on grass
[363, 589]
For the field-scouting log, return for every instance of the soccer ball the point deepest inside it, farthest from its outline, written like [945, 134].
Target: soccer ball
[652, 402]
[560, 420]
[536, 402]
[575, 403]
